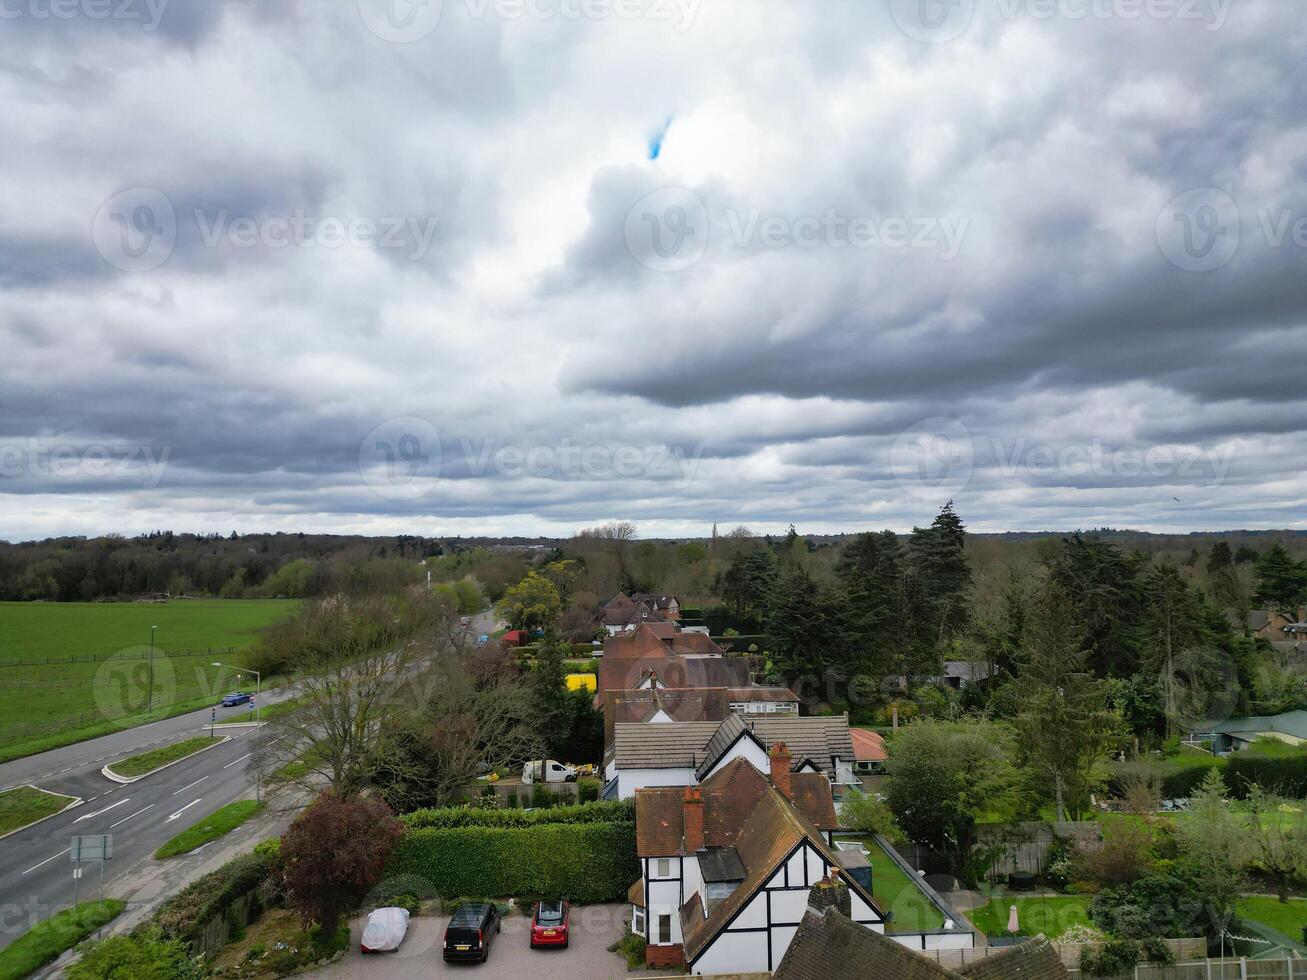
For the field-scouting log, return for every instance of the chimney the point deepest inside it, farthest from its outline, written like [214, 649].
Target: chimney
[780, 769]
[831, 893]
[692, 818]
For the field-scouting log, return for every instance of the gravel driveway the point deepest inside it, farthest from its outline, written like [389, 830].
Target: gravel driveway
[594, 928]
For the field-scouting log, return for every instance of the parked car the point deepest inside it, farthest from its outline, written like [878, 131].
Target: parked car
[385, 930]
[235, 698]
[549, 924]
[547, 771]
[471, 931]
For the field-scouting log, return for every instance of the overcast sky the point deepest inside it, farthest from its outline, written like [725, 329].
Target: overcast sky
[520, 266]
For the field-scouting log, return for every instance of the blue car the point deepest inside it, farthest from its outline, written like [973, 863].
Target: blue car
[232, 700]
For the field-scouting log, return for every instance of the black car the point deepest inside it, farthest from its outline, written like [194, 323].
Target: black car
[471, 931]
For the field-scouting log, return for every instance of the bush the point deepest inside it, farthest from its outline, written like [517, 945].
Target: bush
[1283, 775]
[46, 940]
[1181, 775]
[1115, 957]
[1168, 902]
[583, 862]
[269, 848]
[183, 916]
[630, 946]
[588, 792]
[448, 818]
[141, 956]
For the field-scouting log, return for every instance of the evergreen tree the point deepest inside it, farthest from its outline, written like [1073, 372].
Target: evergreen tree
[870, 569]
[1103, 586]
[943, 573]
[1281, 581]
[807, 628]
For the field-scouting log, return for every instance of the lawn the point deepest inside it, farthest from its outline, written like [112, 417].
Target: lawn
[46, 705]
[1288, 919]
[1051, 916]
[23, 805]
[46, 940]
[146, 762]
[212, 827]
[897, 893]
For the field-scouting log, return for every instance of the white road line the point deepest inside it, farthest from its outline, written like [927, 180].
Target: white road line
[196, 783]
[174, 816]
[125, 819]
[105, 810]
[47, 860]
[241, 759]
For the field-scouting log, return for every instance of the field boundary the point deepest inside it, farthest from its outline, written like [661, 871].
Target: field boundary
[76, 801]
[95, 658]
[109, 774]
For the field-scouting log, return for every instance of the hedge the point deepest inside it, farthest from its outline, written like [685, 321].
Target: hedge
[618, 811]
[581, 862]
[1279, 774]
[1183, 777]
[184, 915]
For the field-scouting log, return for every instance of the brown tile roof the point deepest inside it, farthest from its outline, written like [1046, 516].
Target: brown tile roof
[1035, 960]
[829, 946]
[627, 673]
[772, 831]
[680, 704]
[626, 616]
[678, 745]
[868, 746]
[729, 797]
[701, 744]
[749, 694]
[635, 894]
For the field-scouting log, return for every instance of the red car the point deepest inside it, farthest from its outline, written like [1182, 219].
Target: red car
[549, 924]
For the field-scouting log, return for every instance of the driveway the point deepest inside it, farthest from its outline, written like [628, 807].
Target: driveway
[594, 929]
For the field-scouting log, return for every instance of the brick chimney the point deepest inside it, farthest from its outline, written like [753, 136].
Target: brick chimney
[780, 769]
[692, 818]
[831, 893]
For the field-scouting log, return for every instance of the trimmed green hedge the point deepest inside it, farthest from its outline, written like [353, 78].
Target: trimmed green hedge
[183, 916]
[1184, 775]
[582, 862]
[618, 811]
[1285, 775]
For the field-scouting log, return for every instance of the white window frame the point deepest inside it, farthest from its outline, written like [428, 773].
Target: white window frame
[637, 921]
[662, 867]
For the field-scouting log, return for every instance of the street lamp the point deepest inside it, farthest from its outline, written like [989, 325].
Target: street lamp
[258, 684]
[149, 693]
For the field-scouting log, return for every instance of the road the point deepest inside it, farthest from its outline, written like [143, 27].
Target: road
[36, 873]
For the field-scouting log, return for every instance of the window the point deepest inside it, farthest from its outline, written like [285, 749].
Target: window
[663, 868]
[637, 921]
[664, 929]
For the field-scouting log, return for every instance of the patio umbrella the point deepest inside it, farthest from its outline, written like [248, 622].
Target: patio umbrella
[1012, 924]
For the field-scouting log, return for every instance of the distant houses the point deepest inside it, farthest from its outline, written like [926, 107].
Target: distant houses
[1235, 734]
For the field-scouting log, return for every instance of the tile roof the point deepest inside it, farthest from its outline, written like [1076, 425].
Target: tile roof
[700, 745]
[750, 694]
[627, 673]
[729, 797]
[679, 704]
[830, 946]
[1035, 960]
[635, 894]
[678, 745]
[868, 746]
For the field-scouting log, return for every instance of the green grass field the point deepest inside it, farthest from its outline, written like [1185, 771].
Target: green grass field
[1286, 918]
[223, 821]
[147, 762]
[23, 805]
[44, 942]
[897, 893]
[1051, 916]
[45, 705]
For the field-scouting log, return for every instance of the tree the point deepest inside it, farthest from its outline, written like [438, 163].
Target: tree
[942, 777]
[943, 572]
[1278, 835]
[533, 603]
[748, 582]
[141, 956]
[863, 812]
[1167, 901]
[1214, 841]
[806, 628]
[333, 853]
[1066, 728]
[1103, 586]
[1281, 581]
[870, 569]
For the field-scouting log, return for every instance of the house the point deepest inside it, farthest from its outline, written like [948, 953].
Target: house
[686, 753]
[623, 619]
[828, 945]
[668, 605]
[644, 660]
[963, 673]
[727, 865]
[657, 704]
[1271, 625]
[513, 638]
[649, 638]
[869, 754]
[1234, 734]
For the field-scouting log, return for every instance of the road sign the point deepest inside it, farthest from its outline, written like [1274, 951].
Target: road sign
[97, 847]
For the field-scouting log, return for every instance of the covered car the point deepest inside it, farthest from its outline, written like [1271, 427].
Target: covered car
[385, 930]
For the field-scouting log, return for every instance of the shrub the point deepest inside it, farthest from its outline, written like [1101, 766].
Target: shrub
[588, 792]
[1169, 901]
[583, 862]
[141, 956]
[46, 940]
[1284, 775]
[183, 916]
[269, 848]
[1156, 950]
[1123, 856]
[1115, 957]
[446, 818]
[630, 946]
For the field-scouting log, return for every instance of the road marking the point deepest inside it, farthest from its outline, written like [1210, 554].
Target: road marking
[182, 810]
[196, 783]
[47, 860]
[241, 759]
[105, 810]
[125, 819]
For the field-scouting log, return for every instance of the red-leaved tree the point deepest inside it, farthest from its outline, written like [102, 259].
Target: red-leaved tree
[333, 853]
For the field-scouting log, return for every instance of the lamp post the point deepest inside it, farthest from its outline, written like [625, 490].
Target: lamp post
[258, 687]
[149, 692]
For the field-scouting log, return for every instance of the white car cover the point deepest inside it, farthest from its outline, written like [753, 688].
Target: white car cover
[385, 930]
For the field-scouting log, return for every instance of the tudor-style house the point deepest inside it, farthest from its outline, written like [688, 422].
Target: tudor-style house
[727, 865]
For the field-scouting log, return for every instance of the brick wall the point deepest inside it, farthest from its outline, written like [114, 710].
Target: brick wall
[662, 957]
